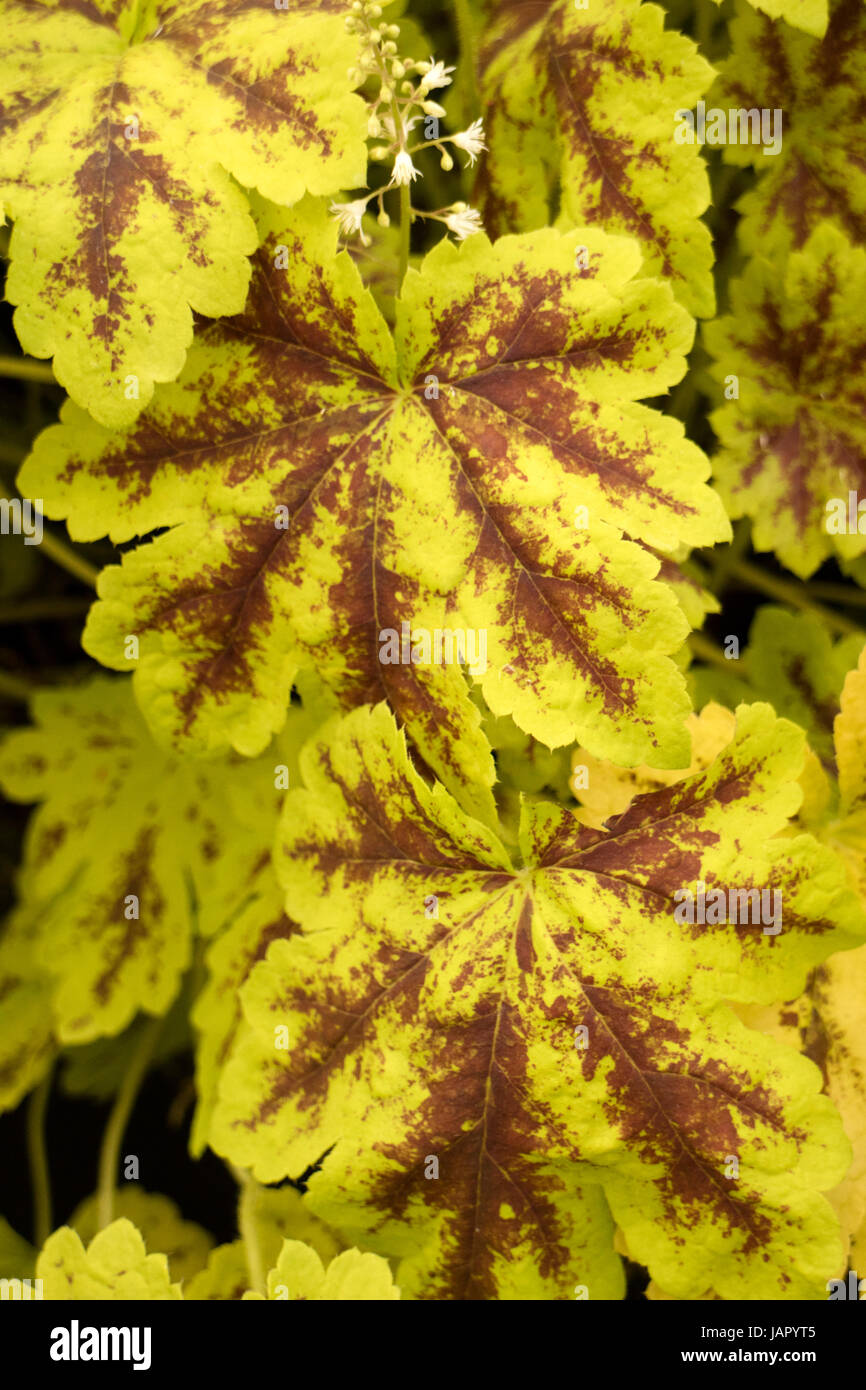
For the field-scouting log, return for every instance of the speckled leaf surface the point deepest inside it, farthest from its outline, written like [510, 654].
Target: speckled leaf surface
[130, 851]
[819, 85]
[451, 1035]
[793, 443]
[128, 133]
[586, 98]
[325, 483]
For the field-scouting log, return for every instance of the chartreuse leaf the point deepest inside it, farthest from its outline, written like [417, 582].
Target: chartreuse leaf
[130, 848]
[122, 132]
[278, 1215]
[818, 85]
[185, 1244]
[793, 443]
[217, 1011]
[115, 1265]
[434, 479]
[224, 1279]
[437, 994]
[260, 920]
[300, 1274]
[794, 664]
[841, 984]
[585, 97]
[604, 790]
[694, 599]
[850, 737]
[26, 1039]
[826, 1021]
[809, 15]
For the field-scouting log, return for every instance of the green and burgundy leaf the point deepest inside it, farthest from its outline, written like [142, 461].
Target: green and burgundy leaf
[793, 439]
[819, 87]
[582, 101]
[130, 850]
[431, 479]
[124, 134]
[433, 1000]
[27, 1037]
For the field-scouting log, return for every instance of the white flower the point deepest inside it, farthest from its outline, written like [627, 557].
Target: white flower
[407, 124]
[471, 140]
[463, 221]
[350, 216]
[404, 169]
[436, 76]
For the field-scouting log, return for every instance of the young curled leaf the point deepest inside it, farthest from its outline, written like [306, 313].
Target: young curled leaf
[114, 1266]
[300, 1275]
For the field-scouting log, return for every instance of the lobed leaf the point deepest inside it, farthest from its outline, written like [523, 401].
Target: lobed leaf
[125, 131]
[185, 1244]
[585, 98]
[300, 1274]
[793, 663]
[793, 444]
[129, 852]
[818, 84]
[115, 1266]
[445, 510]
[451, 1036]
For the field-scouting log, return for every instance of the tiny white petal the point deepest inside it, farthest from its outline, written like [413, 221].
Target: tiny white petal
[471, 140]
[404, 169]
[464, 223]
[349, 216]
[436, 76]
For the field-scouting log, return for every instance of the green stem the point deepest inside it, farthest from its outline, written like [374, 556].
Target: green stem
[683, 398]
[36, 609]
[65, 556]
[704, 24]
[15, 687]
[117, 1120]
[38, 1156]
[705, 649]
[26, 369]
[405, 228]
[728, 556]
[468, 60]
[69, 559]
[789, 592]
[839, 593]
[725, 180]
[248, 1228]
